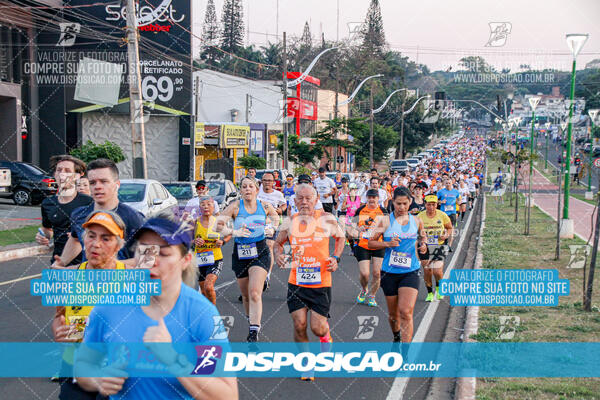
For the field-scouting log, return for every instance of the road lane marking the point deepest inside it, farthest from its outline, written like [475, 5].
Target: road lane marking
[225, 284]
[400, 383]
[20, 279]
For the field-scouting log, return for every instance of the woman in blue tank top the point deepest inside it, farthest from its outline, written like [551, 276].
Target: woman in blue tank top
[403, 235]
[252, 220]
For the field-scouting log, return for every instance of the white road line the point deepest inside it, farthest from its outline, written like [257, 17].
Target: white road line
[225, 284]
[20, 279]
[399, 384]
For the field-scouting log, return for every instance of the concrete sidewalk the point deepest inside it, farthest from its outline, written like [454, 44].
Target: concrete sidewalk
[579, 211]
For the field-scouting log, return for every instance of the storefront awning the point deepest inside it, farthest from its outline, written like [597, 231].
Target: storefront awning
[122, 107]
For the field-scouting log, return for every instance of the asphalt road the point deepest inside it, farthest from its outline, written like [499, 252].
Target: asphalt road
[28, 321]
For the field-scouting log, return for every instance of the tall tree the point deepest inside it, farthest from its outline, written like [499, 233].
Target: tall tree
[306, 39]
[373, 37]
[210, 34]
[232, 34]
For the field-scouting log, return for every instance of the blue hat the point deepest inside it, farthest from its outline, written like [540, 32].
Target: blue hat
[173, 233]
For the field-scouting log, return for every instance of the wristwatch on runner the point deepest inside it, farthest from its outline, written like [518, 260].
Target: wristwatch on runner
[336, 258]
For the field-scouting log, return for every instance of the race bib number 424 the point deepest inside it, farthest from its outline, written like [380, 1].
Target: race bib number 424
[308, 275]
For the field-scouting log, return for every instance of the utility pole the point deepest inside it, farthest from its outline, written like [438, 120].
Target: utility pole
[371, 130]
[193, 141]
[558, 220]
[136, 105]
[335, 115]
[402, 126]
[247, 107]
[529, 197]
[285, 100]
[587, 301]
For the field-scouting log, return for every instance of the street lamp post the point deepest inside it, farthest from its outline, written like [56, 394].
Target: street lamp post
[593, 113]
[546, 155]
[575, 42]
[349, 99]
[533, 102]
[287, 84]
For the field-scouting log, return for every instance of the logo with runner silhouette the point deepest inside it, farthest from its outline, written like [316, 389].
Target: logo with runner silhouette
[366, 326]
[207, 359]
[508, 326]
[222, 326]
[579, 255]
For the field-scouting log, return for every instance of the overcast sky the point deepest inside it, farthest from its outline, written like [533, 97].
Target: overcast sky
[438, 32]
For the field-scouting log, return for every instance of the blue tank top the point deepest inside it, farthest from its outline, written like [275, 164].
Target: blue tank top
[401, 259]
[254, 222]
[288, 191]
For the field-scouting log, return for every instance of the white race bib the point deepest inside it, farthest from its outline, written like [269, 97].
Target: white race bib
[449, 207]
[308, 275]
[399, 259]
[432, 240]
[205, 258]
[247, 251]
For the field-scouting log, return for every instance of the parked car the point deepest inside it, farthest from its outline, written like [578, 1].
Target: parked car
[182, 191]
[282, 173]
[398, 165]
[29, 183]
[596, 151]
[412, 162]
[5, 180]
[146, 195]
[223, 191]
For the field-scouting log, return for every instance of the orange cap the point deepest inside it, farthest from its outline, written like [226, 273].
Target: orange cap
[105, 220]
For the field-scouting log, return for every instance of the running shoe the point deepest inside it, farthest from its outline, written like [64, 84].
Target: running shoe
[362, 296]
[371, 301]
[429, 297]
[438, 295]
[308, 376]
[252, 336]
[267, 284]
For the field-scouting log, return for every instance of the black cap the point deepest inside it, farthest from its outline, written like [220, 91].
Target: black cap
[372, 193]
[304, 179]
[201, 182]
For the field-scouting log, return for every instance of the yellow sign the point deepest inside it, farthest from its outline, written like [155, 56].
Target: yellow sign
[199, 135]
[234, 136]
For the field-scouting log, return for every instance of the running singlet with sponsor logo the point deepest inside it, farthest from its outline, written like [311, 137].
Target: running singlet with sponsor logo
[367, 217]
[451, 196]
[434, 227]
[403, 258]
[209, 251]
[254, 222]
[310, 252]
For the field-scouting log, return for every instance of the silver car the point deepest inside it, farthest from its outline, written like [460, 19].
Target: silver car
[146, 196]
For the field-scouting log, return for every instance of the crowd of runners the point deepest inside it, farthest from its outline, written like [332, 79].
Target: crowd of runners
[399, 226]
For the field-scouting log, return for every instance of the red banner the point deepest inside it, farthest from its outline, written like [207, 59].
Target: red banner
[303, 109]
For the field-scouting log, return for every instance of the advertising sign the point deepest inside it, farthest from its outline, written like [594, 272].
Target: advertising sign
[97, 32]
[234, 136]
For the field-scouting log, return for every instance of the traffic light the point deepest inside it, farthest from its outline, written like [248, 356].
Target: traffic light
[577, 161]
[24, 135]
[498, 104]
[440, 98]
